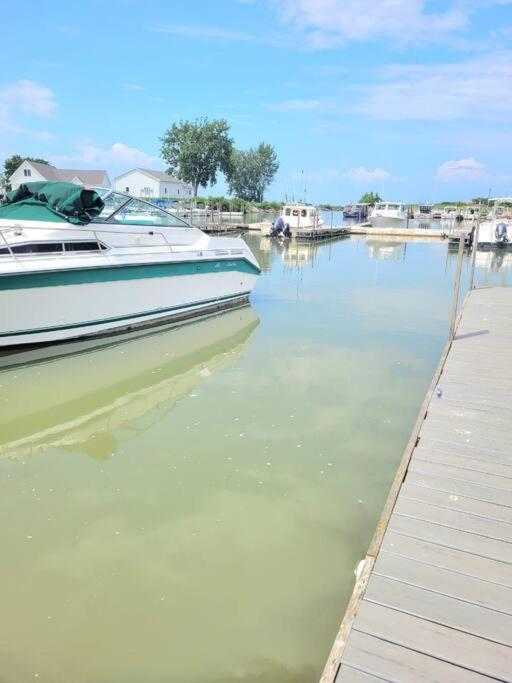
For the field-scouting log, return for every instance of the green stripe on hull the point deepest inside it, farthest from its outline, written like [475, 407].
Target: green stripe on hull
[129, 317]
[81, 276]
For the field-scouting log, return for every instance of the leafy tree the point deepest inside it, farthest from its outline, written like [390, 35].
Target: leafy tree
[370, 198]
[252, 172]
[196, 150]
[12, 163]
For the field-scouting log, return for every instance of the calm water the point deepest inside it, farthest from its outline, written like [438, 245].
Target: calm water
[189, 506]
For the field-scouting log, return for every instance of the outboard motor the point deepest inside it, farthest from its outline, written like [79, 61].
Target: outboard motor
[276, 231]
[501, 234]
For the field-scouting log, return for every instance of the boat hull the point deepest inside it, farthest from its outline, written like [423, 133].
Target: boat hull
[45, 307]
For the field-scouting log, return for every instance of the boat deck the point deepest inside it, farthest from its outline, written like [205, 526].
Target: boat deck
[433, 599]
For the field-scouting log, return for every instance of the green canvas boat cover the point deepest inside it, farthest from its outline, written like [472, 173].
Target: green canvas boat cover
[55, 202]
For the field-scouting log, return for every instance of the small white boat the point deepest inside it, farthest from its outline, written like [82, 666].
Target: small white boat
[388, 213]
[449, 213]
[298, 217]
[76, 262]
[496, 231]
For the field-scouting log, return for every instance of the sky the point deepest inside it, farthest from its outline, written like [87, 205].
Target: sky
[409, 98]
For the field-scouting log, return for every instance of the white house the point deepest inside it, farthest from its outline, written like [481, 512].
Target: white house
[30, 171]
[142, 182]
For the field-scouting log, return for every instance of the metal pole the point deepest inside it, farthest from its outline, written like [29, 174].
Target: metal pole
[473, 253]
[456, 287]
[331, 218]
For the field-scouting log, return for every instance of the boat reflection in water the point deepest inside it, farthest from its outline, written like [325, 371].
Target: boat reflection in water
[386, 250]
[77, 401]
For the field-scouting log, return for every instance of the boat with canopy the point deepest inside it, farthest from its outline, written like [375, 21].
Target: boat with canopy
[77, 262]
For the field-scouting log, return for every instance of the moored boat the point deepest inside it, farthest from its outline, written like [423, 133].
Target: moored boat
[76, 262]
[388, 213]
[297, 217]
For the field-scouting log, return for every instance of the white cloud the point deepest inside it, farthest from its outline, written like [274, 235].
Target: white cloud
[328, 23]
[134, 87]
[117, 155]
[208, 32]
[362, 174]
[460, 169]
[27, 97]
[478, 88]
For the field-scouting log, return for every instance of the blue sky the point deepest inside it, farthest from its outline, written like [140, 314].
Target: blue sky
[407, 97]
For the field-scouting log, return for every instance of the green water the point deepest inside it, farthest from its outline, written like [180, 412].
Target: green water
[189, 506]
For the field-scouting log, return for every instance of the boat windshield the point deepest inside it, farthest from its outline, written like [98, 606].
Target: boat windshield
[394, 207]
[124, 210]
[380, 207]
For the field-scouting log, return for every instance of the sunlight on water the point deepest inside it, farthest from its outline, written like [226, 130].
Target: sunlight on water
[190, 505]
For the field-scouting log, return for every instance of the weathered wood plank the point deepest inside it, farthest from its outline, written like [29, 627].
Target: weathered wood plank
[454, 519]
[453, 646]
[396, 663]
[452, 538]
[465, 461]
[466, 564]
[456, 502]
[463, 488]
[490, 480]
[441, 609]
[347, 674]
[444, 581]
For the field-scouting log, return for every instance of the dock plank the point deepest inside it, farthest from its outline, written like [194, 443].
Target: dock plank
[454, 519]
[455, 647]
[396, 663]
[445, 581]
[441, 609]
[444, 557]
[457, 502]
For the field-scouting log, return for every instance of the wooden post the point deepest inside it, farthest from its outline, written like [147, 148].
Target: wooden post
[473, 253]
[456, 286]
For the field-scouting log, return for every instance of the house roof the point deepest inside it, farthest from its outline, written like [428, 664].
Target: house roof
[161, 176]
[88, 177]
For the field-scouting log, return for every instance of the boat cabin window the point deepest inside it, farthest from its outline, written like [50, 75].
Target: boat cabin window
[380, 207]
[137, 212]
[295, 212]
[37, 248]
[303, 212]
[90, 245]
[393, 207]
[287, 212]
[44, 248]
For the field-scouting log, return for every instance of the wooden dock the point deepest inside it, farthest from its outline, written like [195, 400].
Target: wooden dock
[433, 596]
[366, 229]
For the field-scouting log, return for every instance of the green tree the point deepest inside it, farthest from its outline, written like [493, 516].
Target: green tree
[252, 171]
[370, 198]
[12, 163]
[196, 150]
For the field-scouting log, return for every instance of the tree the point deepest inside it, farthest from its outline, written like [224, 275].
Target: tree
[370, 198]
[196, 150]
[12, 163]
[252, 172]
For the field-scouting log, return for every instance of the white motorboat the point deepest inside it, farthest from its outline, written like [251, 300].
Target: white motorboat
[298, 217]
[389, 213]
[449, 213]
[496, 231]
[76, 262]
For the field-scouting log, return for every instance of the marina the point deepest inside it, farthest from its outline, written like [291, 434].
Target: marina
[146, 510]
[433, 599]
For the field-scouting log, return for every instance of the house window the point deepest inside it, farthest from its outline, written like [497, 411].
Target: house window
[27, 172]
[127, 189]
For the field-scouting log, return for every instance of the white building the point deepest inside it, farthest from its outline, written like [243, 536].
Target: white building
[142, 182]
[31, 171]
